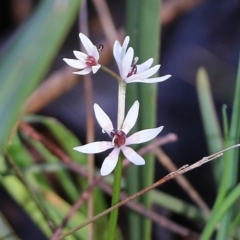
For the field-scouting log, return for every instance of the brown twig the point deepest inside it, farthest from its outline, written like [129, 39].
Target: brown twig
[183, 182]
[55, 150]
[161, 220]
[106, 21]
[165, 179]
[84, 196]
[97, 181]
[83, 27]
[133, 205]
[60, 154]
[56, 84]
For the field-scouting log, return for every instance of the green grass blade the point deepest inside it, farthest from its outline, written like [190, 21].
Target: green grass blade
[144, 30]
[133, 183]
[64, 136]
[231, 160]
[210, 122]
[61, 133]
[21, 196]
[29, 56]
[217, 214]
[63, 176]
[178, 206]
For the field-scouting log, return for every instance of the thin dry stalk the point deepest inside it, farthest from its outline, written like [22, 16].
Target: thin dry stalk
[55, 85]
[83, 26]
[55, 150]
[106, 21]
[163, 180]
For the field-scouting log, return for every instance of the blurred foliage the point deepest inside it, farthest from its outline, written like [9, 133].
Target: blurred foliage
[145, 41]
[44, 186]
[29, 55]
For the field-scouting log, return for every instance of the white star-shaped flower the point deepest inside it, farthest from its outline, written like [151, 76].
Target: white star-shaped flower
[87, 62]
[129, 70]
[119, 141]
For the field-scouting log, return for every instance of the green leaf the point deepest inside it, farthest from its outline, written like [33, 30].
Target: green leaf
[19, 192]
[143, 27]
[217, 214]
[29, 56]
[210, 122]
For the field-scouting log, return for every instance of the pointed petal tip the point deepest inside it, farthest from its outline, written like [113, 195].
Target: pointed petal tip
[110, 162]
[81, 34]
[96, 68]
[104, 172]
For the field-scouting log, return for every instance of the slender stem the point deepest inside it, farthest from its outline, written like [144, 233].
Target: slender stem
[121, 103]
[84, 28]
[115, 199]
[163, 180]
[118, 169]
[113, 74]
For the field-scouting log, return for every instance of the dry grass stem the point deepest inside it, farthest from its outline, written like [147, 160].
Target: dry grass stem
[163, 180]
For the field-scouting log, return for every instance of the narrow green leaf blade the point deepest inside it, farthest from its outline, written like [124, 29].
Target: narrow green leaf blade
[29, 56]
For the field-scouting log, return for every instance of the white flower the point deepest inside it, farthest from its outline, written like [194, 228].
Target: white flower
[119, 140]
[87, 62]
[129, 70]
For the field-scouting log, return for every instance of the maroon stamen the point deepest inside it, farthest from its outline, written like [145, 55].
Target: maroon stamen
[119, 138]
[133, 70]
[90, 61]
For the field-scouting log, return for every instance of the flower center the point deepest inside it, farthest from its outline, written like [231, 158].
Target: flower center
[90, 61]
[133, 69]
[119, 138]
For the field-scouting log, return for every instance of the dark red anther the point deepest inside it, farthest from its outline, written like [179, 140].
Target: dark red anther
[100, 47]
[90, 61]
[133, 70]
[119, 138]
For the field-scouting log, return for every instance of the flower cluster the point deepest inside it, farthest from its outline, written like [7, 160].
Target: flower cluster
[130, 72]
[120, 141]
[87, 62]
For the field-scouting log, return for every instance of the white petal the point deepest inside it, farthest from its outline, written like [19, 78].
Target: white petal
[75, 63]
[143, 136]
[132, 156]
[127, 62]
[95, 147]
[110, 162]
[131, 118]
[144, 66]
[103, 119]
[84, 71]
[124, 47]
[95, 53]
[95, 68]
[81, 56]
[117, 52]
[88, 45]
[150, 80]
[146, 74]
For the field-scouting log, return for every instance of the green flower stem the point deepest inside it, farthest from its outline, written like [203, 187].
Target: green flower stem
[113, 74]
[121, 103]
[115, 199]
[118, 169]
